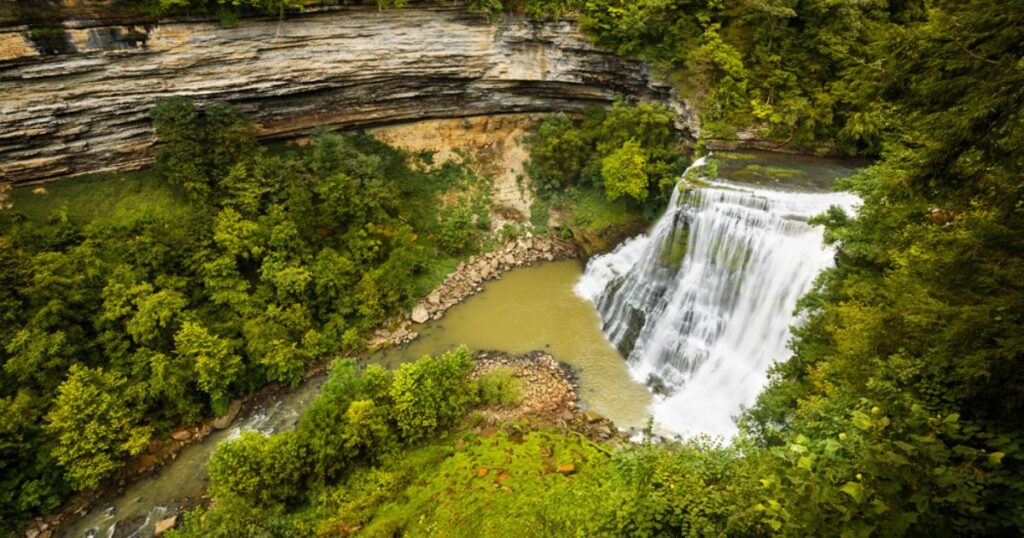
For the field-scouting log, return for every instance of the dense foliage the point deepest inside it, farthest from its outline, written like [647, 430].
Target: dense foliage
[628, 151]
[360, 418]
[900, 410]
[911, 358]
[789, 69]
[239, 266]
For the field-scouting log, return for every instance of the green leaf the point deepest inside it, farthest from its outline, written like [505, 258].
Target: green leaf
[854, 490]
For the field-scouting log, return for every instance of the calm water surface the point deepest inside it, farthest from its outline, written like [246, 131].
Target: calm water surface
[536, 308]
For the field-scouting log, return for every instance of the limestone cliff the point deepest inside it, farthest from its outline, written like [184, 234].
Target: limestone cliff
[83, 106]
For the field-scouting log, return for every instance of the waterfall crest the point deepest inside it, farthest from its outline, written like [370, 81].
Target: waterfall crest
[702, 304]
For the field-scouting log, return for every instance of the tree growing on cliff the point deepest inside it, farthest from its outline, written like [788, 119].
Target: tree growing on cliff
[199, 145]
[624, 172]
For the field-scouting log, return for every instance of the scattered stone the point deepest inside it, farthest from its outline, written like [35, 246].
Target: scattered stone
[164, 525]
[420, 314]
[566, 469]
[39, 190]
[593, 416]
[227, 418]
[180, 434]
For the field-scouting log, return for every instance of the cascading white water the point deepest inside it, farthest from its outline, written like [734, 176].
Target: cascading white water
[702, 304]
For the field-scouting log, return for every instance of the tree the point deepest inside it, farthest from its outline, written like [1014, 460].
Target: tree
[97, 420]
[624, 172]
[558, 154]
[200, 145]
[217, 368]
[431, 393]
[263, 469]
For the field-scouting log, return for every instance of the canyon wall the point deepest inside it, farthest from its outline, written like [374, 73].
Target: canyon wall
[78, 102]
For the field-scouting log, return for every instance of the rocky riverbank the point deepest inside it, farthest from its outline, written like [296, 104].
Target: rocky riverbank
[468, 279]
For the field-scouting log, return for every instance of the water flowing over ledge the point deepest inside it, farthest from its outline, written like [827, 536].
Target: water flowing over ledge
[703, 303]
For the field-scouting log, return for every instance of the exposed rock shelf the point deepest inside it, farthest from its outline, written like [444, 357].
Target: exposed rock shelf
[85, 108]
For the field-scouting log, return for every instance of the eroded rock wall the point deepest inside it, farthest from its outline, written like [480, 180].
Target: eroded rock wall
[84, 108]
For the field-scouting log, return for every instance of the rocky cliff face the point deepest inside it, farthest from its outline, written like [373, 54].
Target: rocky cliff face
[78, 103]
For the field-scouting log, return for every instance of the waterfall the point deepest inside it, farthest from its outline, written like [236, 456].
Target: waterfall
[702, 304]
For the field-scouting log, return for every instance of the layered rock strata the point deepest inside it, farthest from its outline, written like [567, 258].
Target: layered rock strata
[83, 107]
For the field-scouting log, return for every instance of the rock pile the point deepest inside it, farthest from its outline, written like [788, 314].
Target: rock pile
[548, 397]
[547, 389]
[468, 279]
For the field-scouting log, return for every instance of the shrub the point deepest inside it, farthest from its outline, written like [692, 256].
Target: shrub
[499, 386]
[431, 393]
[263, 469]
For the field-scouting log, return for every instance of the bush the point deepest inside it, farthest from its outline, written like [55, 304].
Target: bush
[431, 393]
[629, 150]
[262, 469]
[500, 386]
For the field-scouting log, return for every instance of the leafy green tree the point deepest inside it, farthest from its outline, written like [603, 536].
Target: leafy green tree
[216, 365]
[624, 172]
[31, 480]
[200, 144]
[263, 469]
[558, 154]
[635, 146]
[432, 393]
[97, 421]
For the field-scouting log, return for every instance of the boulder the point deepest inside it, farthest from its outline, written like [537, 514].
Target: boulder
[165, 525]
[420, 314]
[227, 418]
[434, 298]
[181, 434]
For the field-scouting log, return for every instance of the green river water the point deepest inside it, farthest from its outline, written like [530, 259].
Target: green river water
[536, 308]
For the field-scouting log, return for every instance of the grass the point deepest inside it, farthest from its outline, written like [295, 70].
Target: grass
[591, 211]
[434, 273]
[122, 197]
[467, 485]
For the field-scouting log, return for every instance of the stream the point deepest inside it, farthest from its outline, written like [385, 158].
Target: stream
[527, 309]
[700, 306]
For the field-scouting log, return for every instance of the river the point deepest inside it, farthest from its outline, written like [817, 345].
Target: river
[527, 309]
[716, 320]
